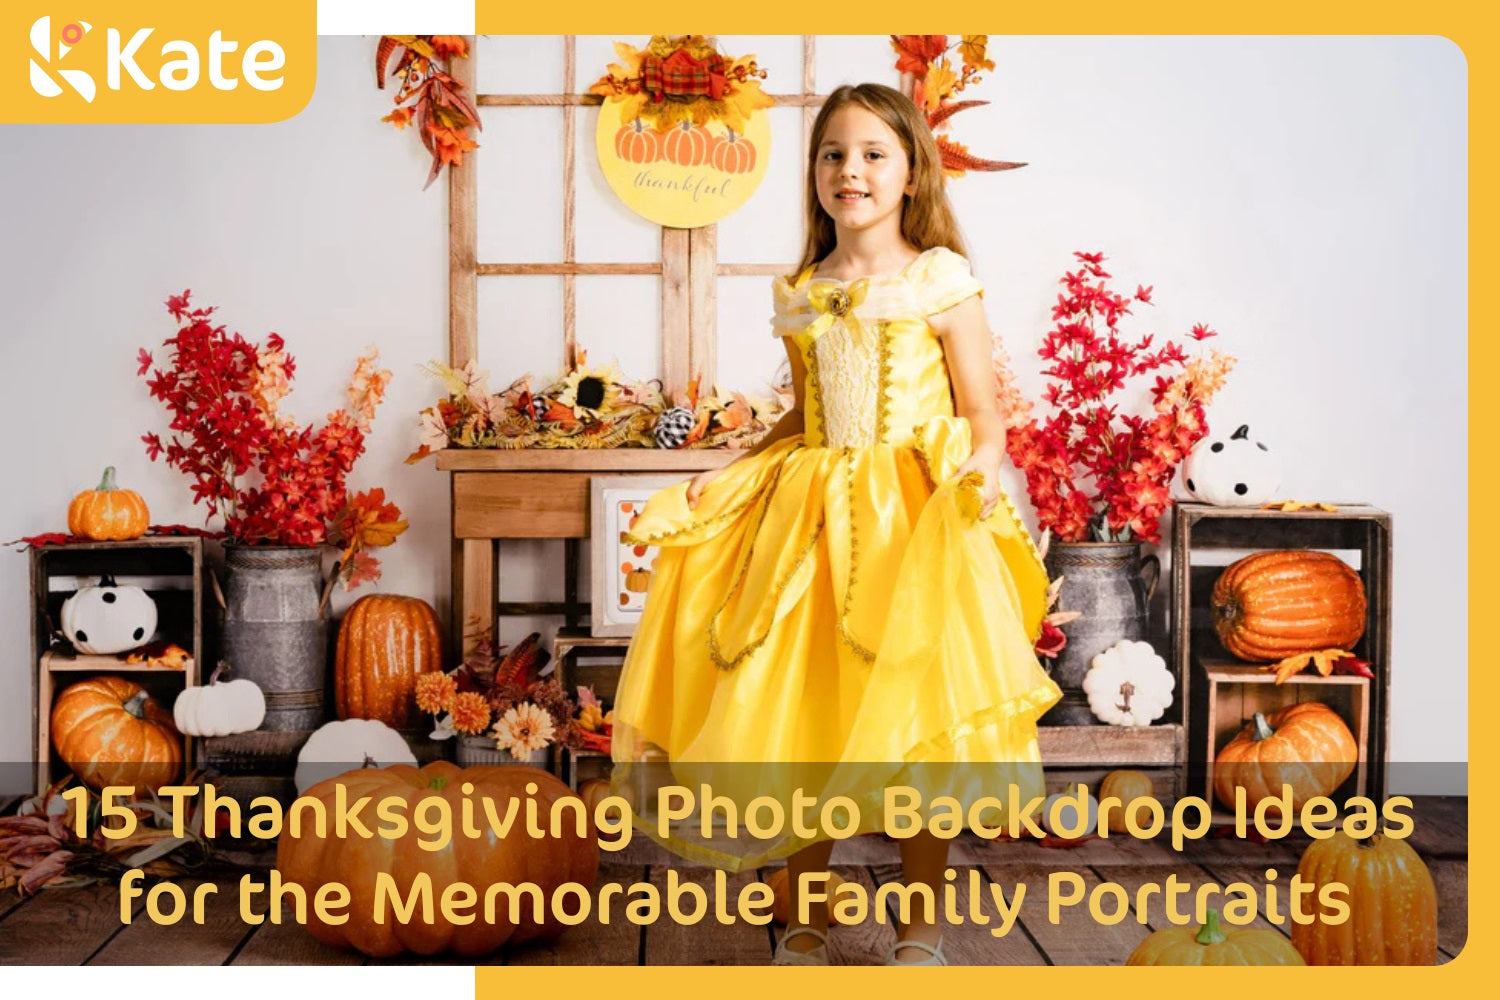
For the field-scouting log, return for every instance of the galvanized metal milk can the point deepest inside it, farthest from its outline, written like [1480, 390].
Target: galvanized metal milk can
[275, 632]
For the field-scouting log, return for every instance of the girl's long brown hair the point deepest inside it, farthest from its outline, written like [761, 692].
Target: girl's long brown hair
[927, 220]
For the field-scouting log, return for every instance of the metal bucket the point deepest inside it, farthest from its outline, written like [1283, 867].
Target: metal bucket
[1112, 584]
[274, 632]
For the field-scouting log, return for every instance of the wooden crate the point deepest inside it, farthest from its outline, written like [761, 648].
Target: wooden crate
[1233, 692]
[1205, 539]
[169, 569]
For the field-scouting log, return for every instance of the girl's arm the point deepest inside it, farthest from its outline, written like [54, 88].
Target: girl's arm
[791, 422]
[968, 346]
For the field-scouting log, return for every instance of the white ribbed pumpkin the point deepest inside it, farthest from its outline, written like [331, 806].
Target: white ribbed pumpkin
[108, 618]
[347, 746]
[220, 708]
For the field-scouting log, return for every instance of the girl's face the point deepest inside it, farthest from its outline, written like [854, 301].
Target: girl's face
[862, 172]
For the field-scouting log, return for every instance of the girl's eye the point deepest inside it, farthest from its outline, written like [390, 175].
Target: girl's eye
[830, 155]
[874, 155]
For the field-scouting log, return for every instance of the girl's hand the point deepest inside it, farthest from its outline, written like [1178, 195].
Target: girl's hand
[986, 462]
[698, 482]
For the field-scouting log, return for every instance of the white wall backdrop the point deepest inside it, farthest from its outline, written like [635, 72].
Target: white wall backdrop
[1307, 197]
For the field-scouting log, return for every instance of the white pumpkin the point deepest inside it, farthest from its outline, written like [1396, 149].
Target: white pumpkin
[1233, 471]
[220, 708]
[108, 618]
[1129, 684]
[1068, 814]
[347, 746]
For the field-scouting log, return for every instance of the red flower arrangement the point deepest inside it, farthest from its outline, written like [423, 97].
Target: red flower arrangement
[1130, 460]
[224, 394]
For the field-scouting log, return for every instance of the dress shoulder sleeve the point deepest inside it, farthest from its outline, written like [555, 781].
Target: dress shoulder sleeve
[942, 280]
[791, 314]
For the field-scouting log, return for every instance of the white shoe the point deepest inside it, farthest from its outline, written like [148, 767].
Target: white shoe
[935, 954]
[814, 956]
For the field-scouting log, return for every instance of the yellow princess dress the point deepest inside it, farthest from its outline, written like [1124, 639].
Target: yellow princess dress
[832, 617]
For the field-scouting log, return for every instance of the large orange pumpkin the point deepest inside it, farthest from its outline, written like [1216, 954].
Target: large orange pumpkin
[109, 731]
[312, 860]
[1270, 605]
[1392, 904]
[1127, 786]
[108, 513]
[1306, 746]
[385, 641]
[1212, 944]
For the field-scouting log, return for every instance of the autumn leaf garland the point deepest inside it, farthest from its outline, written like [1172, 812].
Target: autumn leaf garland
[933, 84]
[442, 114]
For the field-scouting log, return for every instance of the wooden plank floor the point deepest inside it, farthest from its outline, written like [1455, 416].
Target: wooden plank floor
[83, 925]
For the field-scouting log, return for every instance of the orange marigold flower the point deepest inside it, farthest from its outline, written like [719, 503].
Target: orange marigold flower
[471, 713]
[436, 692]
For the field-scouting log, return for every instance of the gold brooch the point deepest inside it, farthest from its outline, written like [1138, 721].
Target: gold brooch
[838, 302]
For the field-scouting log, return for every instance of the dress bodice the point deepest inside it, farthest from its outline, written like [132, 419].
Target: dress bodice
[875, 368]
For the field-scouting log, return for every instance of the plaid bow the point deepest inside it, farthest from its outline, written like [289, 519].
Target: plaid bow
[680, 75]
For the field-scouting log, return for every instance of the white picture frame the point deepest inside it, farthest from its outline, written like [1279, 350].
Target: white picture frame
[616, 600]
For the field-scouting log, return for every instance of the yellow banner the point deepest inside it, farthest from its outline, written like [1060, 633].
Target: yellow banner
[94, 61]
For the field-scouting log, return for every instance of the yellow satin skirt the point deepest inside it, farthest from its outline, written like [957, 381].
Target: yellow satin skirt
[831, 622]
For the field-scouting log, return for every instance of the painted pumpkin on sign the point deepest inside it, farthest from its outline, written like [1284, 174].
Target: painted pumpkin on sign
[638, 143]
[686, 145]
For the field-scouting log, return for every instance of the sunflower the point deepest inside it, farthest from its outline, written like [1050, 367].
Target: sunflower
[591, 393]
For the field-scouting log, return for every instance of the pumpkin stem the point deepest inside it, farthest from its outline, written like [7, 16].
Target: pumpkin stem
[1263, 730]
[107, 484]
[136, 706]
[1210, 933]
[1127, 689]
[369, 762]
[219, 671]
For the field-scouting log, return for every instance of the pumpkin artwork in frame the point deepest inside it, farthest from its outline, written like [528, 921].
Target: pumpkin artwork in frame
[621, 572]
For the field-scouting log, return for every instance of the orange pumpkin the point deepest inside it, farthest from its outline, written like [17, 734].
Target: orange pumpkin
[638, 581]
[594, 791]
[109, 731]
[1127, 786]
[108, 513]
[686, 145]
[1270, 605]
[1306, 746]
[1392, 904]
[1212, 944]
[385, 641]
[635, 143]
[781, 898]
[733, 154]
[311, 860]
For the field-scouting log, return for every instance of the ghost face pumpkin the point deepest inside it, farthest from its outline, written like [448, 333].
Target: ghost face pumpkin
[108, 618]
[1236, 471]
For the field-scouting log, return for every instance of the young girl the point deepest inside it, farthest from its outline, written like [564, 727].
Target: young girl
[852, 604]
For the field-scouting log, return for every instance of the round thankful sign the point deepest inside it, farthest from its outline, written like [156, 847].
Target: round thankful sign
[687, 175]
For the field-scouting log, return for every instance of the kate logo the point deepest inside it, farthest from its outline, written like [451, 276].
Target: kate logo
[41, 43]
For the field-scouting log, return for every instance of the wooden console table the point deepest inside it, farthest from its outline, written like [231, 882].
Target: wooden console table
[500, 495]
